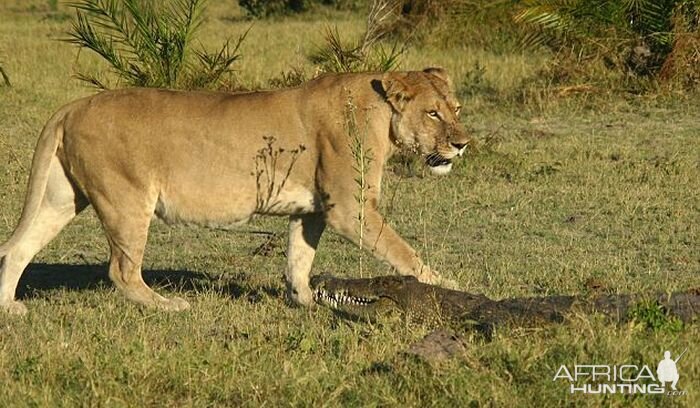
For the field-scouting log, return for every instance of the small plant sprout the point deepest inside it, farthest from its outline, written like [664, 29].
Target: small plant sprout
[362, 159]
[267, 179]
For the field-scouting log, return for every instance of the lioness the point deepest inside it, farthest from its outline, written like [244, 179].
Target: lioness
[217, 158]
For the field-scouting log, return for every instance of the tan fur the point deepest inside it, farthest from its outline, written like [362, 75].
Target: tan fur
[217, 159]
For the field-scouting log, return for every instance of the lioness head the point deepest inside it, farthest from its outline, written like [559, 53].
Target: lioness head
[426, 116]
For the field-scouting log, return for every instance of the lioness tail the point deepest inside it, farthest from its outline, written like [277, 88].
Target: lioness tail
[41, 164]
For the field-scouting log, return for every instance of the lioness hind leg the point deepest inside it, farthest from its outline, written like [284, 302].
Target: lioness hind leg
[127, 232]
[125, 272]
[60, 204]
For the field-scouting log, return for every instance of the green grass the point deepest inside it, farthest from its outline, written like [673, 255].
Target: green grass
[602, 189]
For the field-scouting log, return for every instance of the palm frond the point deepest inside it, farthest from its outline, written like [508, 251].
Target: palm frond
[335, 56]
[148, 43]
[547, 20]
[106, 16]
[84, 35]
[367, 53]
[385, 59]
[91, 80]
[212, 66]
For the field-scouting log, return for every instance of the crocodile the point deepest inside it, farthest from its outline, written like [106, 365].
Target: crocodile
[439, 307]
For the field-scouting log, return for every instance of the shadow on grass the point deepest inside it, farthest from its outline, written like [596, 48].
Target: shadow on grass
[39, 277]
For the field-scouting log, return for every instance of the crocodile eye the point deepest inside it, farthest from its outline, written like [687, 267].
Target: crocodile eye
[433, 114]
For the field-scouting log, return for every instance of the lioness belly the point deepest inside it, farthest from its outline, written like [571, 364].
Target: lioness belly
[235, 208]
[290, 200]
[199, 211]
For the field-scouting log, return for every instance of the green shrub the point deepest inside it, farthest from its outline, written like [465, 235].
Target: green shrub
[632, 36]
[150, 44]
[286, 79]
[652, 315]
[338, 56]
[682, 63]
[368, 53]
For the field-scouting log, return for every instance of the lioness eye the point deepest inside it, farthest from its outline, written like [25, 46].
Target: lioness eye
[457, 110]
[433, 114]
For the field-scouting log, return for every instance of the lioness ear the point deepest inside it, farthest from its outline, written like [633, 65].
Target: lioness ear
[396, 91]
[440, 73]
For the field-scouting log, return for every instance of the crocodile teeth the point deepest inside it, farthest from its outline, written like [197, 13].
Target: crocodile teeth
[339, 298]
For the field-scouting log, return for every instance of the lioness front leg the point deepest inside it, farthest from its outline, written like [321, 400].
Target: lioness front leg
[382, 241]
[304, 234]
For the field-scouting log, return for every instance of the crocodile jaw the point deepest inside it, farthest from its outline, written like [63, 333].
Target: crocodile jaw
[341, 299]
[360, 298]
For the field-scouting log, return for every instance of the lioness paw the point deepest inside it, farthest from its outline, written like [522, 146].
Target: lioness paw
[175, 304]
[434, 278]
[14, 307]
[300, 297]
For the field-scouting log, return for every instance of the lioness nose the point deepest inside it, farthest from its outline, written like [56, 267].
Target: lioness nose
[458, 146]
